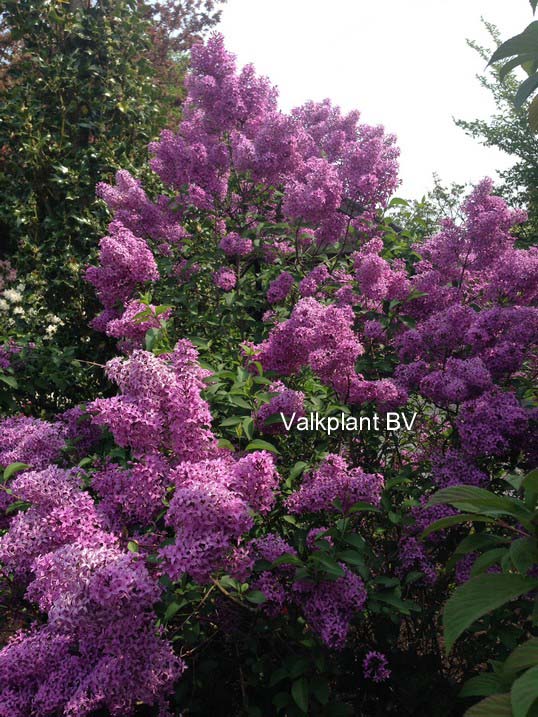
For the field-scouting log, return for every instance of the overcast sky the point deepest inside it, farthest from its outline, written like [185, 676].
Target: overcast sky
[402, 63]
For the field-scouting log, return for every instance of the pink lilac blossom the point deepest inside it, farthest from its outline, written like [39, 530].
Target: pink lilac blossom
[315, 335]
[286, 402]
[125, 262]
[225, 278]
[99, 648]
[132, 325]
[329, 606]
[376, 667]
[490, 424]
[234, 245]
[310, 285]
[60, 513]
[160, 406]
[335, 487]
[134, 495]
[30, 440]
[280, 288]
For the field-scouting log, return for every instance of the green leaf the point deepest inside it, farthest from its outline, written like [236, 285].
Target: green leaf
[524, 554]
[534, 3]
[248, 427]
[495, 706]
[525, 89]
[481, 685]
[299, 692]
[231, 421]
[9, 380]
[524, 692]
[512, 64]
[256, 597]
[525, 42]
[259, 445]
[451, 520]
[477, 500]
[287, 559]
[133, 547]
[13, 468]
[297, 469]
[328, 564]
[530, 481]
[225, 443]
[171, 610]
[479, 596]
[489, 558]
[524, 656]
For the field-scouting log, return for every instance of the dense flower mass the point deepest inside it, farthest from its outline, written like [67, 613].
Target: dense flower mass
[335, 487]
[176, 518]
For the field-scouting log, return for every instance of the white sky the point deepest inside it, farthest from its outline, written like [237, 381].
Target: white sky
[403, 63]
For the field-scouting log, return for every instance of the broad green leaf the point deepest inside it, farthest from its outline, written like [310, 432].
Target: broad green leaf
[171, 610]
[525, 89]
[13, 468]
[299, 692]
[524, 554]
[259, 445]
[487, 559]
[451, 520]
[231, 421]
[297, 469]
[494, 706]
[225, 443]
[477, 500]
[525, 42]
[9, 380]
[481, 686]
[523, 657]
[512, 64]
[524, 692]
[477, 597]
[530, 481]
[328, 564]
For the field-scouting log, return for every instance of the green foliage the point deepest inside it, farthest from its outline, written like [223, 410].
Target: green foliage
[512, 688]
[508, 130]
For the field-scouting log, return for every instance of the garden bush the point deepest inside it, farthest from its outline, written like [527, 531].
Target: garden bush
[200, 543]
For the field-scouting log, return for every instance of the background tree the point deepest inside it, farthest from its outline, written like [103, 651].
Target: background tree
[508, 130]
[80, 98]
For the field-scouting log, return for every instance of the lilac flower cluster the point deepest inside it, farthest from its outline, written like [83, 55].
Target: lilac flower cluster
[287, 402]
[159, 406]
[334, 487]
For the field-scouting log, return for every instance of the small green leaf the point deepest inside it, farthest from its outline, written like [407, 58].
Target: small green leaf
[299, 692]
[256, 597]
[171, 610]
[297, 469]
[133, 547]
[13, 468]
[9, 380]
[259, 445]
[477, 597]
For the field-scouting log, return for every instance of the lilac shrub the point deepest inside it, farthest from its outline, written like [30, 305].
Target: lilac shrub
[179, 520]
